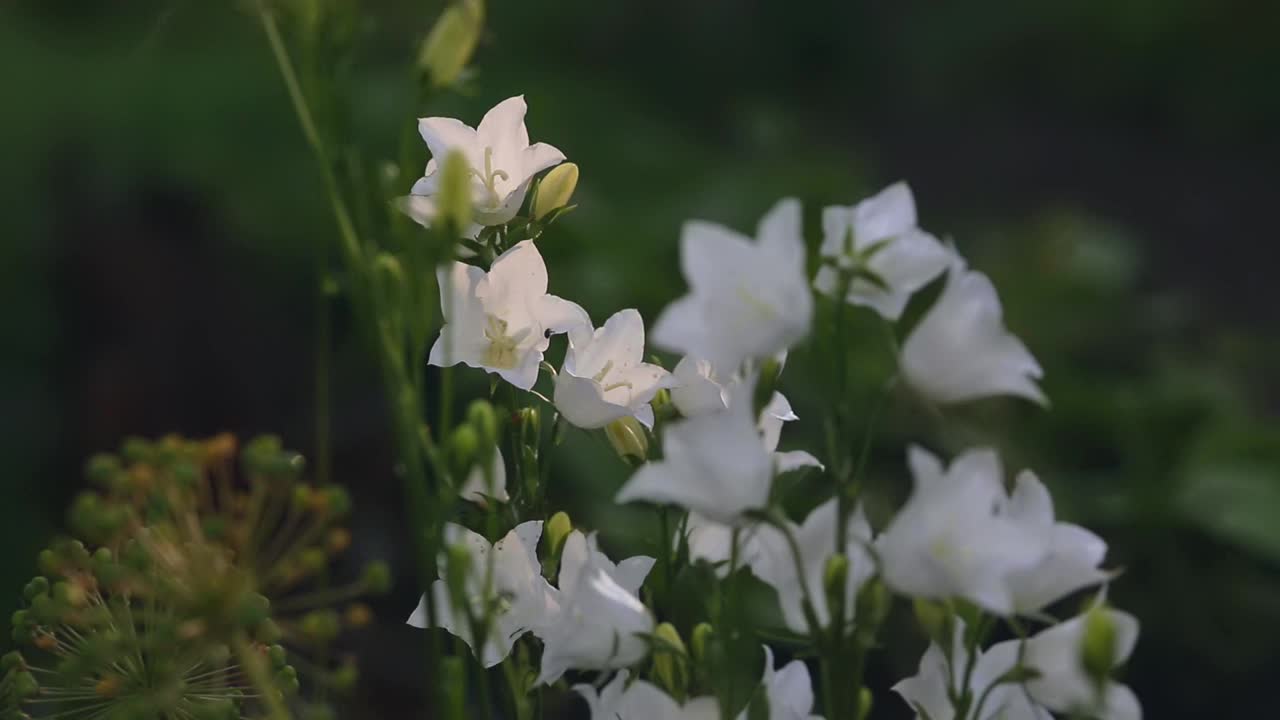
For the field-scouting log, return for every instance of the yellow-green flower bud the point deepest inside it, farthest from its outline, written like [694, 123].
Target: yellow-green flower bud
[451, 42]
[834, 577]
[482, 418]
[1098, 644]
[455, 191]
[865, 702]
[628, 438]
[669, 660]
[464, 448]
[700, 640]
[557, 530]
[556, 190]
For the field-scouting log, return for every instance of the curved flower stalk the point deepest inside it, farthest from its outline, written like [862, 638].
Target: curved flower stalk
[604, 376]
[714, 465]
[498, 152]
[498, 321]
[887, 256]
[952, 539]
[502, 585]
[961, 350]
[775, 563]
[598, 622]
[1026, 680]
[746, 299]
[626, 699]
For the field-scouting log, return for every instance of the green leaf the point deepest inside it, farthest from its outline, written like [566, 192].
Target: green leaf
[1238, 503]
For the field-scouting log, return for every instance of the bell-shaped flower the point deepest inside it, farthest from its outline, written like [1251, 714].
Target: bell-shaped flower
[512, 592]
[604, 376]
[696, 389]
[942, 675]
[1073, 557]
[951, 538]
[1064, 686]
[961, 349]
[501, 159]
[713, 464]
[480, 486]
[774, 562]
[774, 415]
[789, 690]
[599, 622]
[879, 236]
[499, 320]
[746, 299]
[623, 699]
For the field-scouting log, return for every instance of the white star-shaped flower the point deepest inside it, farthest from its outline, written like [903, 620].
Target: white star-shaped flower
[604, 376]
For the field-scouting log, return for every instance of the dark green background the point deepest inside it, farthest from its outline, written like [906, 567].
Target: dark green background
[1110, 164]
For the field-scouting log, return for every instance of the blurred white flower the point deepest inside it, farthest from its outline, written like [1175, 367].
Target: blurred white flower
[961, 350]
[604, 376]
[598, 619]
[640, 700]
[499, 320]
[1074, 553]
[523, 598]
[1063, 685]
[951, 539]
[879, 235]
[696, 388]
[713, 464]
[501, 159]
[746, 299]
[789, 690]
[774, 562]
[477, 489]
[772, 417]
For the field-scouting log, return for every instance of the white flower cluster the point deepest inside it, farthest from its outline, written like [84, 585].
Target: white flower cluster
[962, 544]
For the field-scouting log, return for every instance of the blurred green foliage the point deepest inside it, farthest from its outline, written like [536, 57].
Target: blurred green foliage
[1107, 163]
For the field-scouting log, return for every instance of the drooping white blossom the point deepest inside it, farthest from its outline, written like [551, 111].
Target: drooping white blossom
[521, 599]
[879, 234]
[1073, 557]
[789, 690]
[746, 299]
[598, 620]
[713, 464]
[696, 388]
[477, 488]
[498, 152]
[1057, 683]
[774, 562]
[604, 376]
[961, 349]
[623, 699]
[499, 320]
[952, 538]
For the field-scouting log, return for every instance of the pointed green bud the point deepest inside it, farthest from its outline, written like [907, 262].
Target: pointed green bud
[278, 656]
[835, 577]
[629, 440]
[530, 425]
[555, 190]
[482, 418]
[935, 620]
[377, 578]
[699, 641]
[464, 449]
[455, 192]
[448, 47]
[557, 531]
[252, 610]
[1098, 644]
[669, 660]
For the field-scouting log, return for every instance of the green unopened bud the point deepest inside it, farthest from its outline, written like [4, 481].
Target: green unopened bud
[481, 417]
[835, 577]
[530, 425]
[451, 42]
[555, 190]
[39, 585]
[252, 610]
[102, 469]
[700, 640]
[455, 191]
[12, 661]
[669, 660]
[278, 656]
[628, 438]
[268, 632]
[557, 531]
[464, 448]
[873, 604]
[1098, 644]
[865, 703]
[287, 680]
[344, 679]
[457, 571]
[336, 501]
[321, 625]
[935, 621]
[377, 578]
